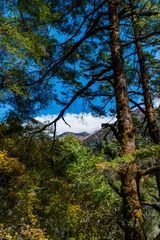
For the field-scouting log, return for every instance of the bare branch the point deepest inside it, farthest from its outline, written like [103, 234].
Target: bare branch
[65, 122]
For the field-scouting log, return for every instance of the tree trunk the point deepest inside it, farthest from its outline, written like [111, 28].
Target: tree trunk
[131, 206]
[126, 129]
[150, 112]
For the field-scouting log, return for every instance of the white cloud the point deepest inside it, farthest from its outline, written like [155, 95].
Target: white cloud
[78, 122]
[156, 102]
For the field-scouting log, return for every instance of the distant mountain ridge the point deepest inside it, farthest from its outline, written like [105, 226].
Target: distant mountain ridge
[96, 138]
[81, 135]
[87, 139]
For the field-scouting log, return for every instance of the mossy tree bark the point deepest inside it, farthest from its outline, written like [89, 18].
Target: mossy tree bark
[150, 111]
[131, 206]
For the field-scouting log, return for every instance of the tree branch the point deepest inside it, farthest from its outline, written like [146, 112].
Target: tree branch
[106, 125]
[156, 198]
[84, 20]
[150, 170]
[148, 14]
[134, 92]
[137, 105]
[71, 51]
[108, 150]
[140, 38]
[115, 188]
[153, 205]
[75, 96]
[157, 237]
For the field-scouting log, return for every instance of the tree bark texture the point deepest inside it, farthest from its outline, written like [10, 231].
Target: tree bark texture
[125, 126]
[150, 112]
[131, 206]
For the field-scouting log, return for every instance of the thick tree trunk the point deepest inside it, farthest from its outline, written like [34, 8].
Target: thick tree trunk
[131, 205]
[125, 125]
[150, 112]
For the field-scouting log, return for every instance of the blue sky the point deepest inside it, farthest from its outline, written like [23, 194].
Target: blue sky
[55, 108]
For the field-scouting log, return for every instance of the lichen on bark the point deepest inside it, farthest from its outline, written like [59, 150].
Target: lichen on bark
[132, 212]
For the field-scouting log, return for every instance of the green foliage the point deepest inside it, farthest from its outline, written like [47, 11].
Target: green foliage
[54, 193]
[151, 153]
[25, 51]
[63, 191]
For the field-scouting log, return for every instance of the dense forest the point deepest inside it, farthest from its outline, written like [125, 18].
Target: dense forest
[105, 53]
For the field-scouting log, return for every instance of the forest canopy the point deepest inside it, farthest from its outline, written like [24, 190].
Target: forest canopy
[105, 53]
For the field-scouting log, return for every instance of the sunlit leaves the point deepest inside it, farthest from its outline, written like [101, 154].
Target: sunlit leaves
[10, 165]
[22, 43]
[54, 189]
